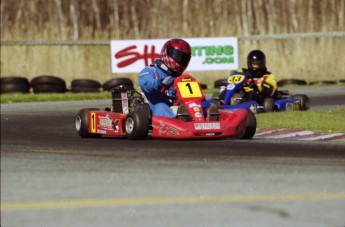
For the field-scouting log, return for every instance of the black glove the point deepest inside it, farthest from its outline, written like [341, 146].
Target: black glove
[253, 85]
[266, 91]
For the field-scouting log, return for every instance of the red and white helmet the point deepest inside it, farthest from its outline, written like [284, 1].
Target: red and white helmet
[176, 54]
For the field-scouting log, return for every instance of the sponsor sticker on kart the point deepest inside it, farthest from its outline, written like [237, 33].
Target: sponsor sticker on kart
[202, 126]
[107, 123]
[124, 99]
[230, 87]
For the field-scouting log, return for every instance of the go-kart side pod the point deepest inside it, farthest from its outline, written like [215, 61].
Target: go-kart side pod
[137, 125]
[82, 123]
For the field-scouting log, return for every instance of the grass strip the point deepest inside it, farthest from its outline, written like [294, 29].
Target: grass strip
[329, 121]
[49, 97]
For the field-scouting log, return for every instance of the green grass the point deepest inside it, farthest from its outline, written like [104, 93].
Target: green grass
[315, 120]
[45, 97]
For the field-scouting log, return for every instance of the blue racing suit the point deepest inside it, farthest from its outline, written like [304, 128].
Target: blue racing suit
[150, 82]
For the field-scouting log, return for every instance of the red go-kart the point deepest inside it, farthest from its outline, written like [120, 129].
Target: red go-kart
[130, 117]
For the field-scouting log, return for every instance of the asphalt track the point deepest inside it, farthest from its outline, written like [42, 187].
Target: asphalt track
[51, 177]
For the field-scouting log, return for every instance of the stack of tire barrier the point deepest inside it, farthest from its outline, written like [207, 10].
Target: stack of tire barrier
[14, 84]
[48, 84]
[53, 84]
[39, 84]
[85, 85]
[284, 82]
[220, 82]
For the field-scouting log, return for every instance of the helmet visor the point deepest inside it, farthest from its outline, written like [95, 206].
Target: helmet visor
[179, 56]
[256, 64]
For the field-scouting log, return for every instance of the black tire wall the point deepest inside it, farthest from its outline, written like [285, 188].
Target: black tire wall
[48, 84]
[14, 84]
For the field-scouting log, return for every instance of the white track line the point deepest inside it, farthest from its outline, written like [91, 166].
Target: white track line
[269, 132]
[324, 136]
[292, 134]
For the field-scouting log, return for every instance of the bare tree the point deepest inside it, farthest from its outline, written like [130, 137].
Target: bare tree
[97, 15]
[61, 19]
[115, 18]
[74, 19]
[134, 20]
[185, 16]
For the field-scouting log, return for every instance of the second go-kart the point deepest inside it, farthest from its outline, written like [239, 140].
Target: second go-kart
[130, 117]
[229, 98]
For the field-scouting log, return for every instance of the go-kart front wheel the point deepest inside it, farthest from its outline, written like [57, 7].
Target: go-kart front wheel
[305, 101]
[137, 125]
[250, 126]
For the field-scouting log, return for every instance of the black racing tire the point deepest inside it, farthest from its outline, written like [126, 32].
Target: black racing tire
[14, 84]
[220, 82]
[305, 101]
[203, 86]
[114, 83]
[136, 125]
[82, 89]
[47, 79]
[48, 88]
[284, 82]
[82, 124]
[325, 82]
[14, 88]
[85, 85]
[268, 104]
[144, 109]
[250, 126]
[48, 84]
[14, 80]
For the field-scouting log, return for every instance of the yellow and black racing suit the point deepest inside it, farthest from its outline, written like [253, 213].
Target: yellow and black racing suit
[258, 87]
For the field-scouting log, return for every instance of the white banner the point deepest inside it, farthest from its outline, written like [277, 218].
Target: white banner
[131, 56]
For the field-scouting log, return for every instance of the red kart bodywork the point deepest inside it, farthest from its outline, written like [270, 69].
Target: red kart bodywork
[199, 126]
[229, 125]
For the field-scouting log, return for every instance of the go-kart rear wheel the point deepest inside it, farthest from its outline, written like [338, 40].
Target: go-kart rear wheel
[82, 124]
[137, 125]
[305, 101]
[268, 105]
[250, 126]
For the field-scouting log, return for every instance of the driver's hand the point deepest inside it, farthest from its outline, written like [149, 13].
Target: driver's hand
[253, 85]
[171, 92]
[168, 81]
